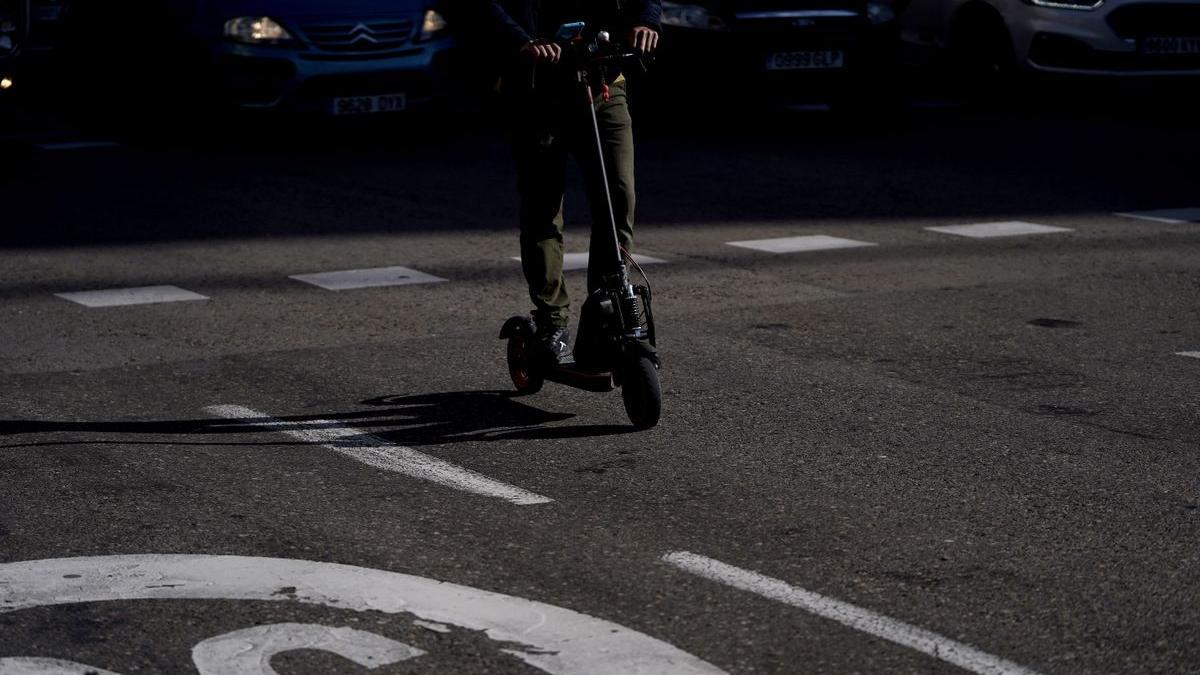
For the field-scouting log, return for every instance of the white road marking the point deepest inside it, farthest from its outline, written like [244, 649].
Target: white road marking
[143, 295]
[34, 665]
[815, 242]
[380, 454]
[937, 646]
[1191, 215]
[936, 104]
[249, 651]
[553, 639]
[367, 278]
[432, 626]
[579, 261]
[1006, 229]
[808, 107]
[78, 145]
[1194, 355]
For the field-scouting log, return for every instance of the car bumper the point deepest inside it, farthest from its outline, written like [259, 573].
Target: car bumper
[1108, 41]
[272, 78]
[743, 55]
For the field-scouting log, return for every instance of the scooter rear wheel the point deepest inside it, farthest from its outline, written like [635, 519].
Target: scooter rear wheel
[525, 377]
[641, 392]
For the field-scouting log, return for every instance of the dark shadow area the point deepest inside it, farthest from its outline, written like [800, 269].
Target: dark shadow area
[708, 155]
[422, 419]
[479, 416]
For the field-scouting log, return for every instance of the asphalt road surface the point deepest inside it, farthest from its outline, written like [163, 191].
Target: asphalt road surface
[885, 448]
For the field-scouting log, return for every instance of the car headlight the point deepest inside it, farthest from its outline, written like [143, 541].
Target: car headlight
[691, 16]
[880, 12]
[256, 30]
[1084, 5]
[433, 24]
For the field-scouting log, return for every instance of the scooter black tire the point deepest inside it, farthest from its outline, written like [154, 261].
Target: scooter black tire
[525, 376]
[641, 393]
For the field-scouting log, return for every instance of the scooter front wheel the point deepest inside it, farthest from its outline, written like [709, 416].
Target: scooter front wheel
[641, 392]
[525, 376]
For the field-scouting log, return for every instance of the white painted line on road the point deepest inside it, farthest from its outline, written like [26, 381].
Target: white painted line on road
[1173, 216]
[814, 242]
[375, 277]
[39, 665]
[1192, 355]
[936, 104]
[1006, 229]
[907, 635]
[579, 261]
[380, 454]
[143, 295]
[808, 107]
[78, 145]
[552, 639]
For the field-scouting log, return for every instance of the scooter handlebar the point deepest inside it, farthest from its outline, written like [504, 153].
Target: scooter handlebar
[602, 51]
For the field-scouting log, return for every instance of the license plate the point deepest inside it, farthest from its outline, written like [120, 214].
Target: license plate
[366, 105]
[816, 60]
[1171, 45]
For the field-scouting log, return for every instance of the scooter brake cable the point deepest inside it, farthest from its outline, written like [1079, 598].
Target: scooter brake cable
[638, 267]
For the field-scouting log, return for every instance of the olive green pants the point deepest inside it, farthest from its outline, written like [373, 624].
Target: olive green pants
[546, 132]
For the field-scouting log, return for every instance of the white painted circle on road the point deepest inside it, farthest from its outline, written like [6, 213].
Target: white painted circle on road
[249, 651]
[550, 638]
[35, 665]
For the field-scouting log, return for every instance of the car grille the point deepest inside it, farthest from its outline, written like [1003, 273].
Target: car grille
[1156, 20]
[360, 36]
[786, 17]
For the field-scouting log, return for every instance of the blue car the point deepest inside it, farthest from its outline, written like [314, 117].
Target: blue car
[338, 57]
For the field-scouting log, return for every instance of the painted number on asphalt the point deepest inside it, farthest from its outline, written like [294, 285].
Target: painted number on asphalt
[549, 638]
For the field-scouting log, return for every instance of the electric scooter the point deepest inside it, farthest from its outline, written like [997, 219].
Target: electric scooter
[615, 345]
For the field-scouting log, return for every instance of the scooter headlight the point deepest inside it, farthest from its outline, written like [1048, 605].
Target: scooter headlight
[691, 16]
[256, 30]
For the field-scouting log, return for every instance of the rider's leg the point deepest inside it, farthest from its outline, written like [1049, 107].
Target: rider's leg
[616, 134]
[541, 180]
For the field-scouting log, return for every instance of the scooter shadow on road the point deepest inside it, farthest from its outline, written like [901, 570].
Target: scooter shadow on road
[420, 419]
[470, 416]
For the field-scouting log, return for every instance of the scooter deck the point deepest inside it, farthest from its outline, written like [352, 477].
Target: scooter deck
[573, 375]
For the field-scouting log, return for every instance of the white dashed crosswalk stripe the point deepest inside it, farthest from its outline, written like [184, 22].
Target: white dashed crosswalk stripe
[579, 261]
[1190, 215]
[814, 242]
[1191, 355]
[143, 295]
[1006, 229]
[375, 277]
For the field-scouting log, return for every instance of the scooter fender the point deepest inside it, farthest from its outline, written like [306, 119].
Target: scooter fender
[518, 326]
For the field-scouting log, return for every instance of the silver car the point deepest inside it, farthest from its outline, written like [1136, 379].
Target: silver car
[1071, 37]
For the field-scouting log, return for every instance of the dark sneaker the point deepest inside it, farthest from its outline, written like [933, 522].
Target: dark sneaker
[557, 342]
